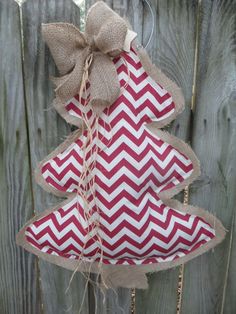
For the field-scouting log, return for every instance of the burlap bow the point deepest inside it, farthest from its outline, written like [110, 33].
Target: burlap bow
[82, 57]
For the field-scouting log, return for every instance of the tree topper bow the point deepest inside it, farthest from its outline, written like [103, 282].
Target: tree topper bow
[82, 57]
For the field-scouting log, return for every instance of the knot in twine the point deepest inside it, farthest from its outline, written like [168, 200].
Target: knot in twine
[85, 75]
[82, 56]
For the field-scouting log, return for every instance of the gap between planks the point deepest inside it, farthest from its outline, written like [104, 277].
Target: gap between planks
[193, 106]
[20, 2]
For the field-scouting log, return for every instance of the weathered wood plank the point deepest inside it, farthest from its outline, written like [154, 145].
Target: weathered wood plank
[209, 285]
[112, 301]
[172, 50]
[19, 291]
[47, 130]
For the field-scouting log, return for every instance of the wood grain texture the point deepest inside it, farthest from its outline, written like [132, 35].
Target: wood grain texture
[116, 301]
[46, 131]
[172, 50]
[209, 285]
[31, 129]
[19, 291]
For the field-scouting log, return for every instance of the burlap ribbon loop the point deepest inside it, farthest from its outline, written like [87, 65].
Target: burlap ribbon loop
[82, 57]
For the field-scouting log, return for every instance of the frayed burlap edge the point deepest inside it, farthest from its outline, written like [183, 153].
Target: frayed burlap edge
[155, 73]
[114, 275]
[175, 142]
[61, 109]
[38, 170]
[130, 276]
[160, 78]
[183, 148]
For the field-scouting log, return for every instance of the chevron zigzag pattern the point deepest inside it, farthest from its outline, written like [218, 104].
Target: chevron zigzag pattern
[132, 167]
[156, 234]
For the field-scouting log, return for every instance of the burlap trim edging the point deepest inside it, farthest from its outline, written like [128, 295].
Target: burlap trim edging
[175, 142]
[134, 274]
[160, 78]
[38, 170]
[155, 73]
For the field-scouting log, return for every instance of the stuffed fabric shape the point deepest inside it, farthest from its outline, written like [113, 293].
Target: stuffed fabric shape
[135, 226]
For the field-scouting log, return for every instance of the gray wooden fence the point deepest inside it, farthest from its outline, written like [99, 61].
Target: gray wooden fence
[194, 44]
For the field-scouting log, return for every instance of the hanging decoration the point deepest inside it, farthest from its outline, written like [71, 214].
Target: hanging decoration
[118, 171]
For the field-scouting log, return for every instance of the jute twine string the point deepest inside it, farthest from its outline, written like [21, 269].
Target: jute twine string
[87, 169]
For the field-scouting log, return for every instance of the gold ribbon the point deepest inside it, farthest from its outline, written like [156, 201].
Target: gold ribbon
[82, 57]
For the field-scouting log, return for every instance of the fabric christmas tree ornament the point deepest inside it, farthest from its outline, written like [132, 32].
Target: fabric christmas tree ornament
[118, 171]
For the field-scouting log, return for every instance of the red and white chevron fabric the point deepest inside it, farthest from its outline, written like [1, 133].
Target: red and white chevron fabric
[132, 167]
